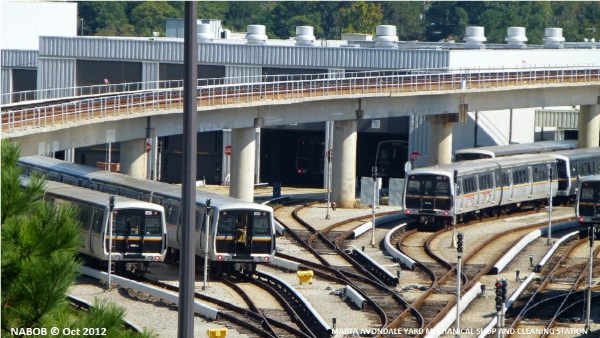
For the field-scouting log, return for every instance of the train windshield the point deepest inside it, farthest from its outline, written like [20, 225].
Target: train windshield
[136, 222]
[428, 192]
[243, 232]
[589, 199]
[428, 185]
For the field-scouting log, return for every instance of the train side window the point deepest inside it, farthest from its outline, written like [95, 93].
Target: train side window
[597, 164]
[574, 169]
[540, 172]
[520, 176]
[505, 178]
[469, 184]
[485, 181]
[97, 221]
[85, 216]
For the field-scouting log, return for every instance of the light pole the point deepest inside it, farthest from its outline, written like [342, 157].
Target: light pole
[206, 249]
[329, 155]
[111, 207]
[459, 251]
[455, 185]
[374, 173]
[592, 234]
[550, 206]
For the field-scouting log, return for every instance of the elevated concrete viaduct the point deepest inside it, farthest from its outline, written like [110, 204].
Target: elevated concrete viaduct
[442, 107]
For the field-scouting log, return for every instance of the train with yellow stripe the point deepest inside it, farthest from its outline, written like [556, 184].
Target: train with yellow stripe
[139, 235]
[239, 234]
[587, 207]
[488, 187]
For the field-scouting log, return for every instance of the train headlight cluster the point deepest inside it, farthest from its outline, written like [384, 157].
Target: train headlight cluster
[267, 259]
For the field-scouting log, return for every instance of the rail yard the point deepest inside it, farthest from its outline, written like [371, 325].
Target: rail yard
[399, 301]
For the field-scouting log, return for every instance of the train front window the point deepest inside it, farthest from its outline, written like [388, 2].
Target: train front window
[429, 185]
[589, 199]
[152, 225]
[261, 226]
[226, 226]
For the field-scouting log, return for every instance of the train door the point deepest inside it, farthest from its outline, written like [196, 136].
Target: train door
[128, 232]
[85, 216]
[200, 232]
[506, 186]
[99, 231]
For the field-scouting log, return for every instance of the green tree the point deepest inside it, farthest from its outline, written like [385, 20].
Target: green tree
[152, 16]
[361, 17]
[98, 15]
[39, 243]
[408, 17]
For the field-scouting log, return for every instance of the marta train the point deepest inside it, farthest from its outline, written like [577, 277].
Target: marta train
[587, 207]
[240, 234]
[468, 154]
[487, 187]
[139, 234]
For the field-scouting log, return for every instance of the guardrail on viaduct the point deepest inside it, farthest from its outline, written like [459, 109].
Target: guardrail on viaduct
[277, 89]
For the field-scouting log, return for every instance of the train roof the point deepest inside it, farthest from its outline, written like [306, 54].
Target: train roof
[521, 148]
[576, 153]
[468, 167]
[92, 197]
[147, 186]
[592, 178]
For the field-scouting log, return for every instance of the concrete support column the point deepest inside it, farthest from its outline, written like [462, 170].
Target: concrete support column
[133, 158]
[440, 146]
[589, 126]
[243, 151]
[343, 191]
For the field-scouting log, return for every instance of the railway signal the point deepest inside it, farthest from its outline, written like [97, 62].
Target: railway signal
[498, 287]
[459, 248]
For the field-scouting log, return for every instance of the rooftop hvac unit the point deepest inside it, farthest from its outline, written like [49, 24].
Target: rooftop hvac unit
[255, 34]
[474, 37]
[304, 36]
[385, 36]
[515, 37]
[553, 38]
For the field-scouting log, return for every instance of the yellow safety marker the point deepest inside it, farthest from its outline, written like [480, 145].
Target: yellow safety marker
[216, 333]
[305, 276]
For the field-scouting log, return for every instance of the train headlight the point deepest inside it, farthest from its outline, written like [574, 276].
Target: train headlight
[116, 257]
[220, 258]
[407, 211]
[445, 213]
[157, 258]
[267, 259]
[581, 219]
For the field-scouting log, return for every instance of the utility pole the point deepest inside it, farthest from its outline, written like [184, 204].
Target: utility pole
[185, 327]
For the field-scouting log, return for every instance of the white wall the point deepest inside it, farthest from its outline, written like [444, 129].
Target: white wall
[21, 23]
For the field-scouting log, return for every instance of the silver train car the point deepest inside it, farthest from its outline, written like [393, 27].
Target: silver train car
[474, 189]
[587, 206]
[513, 149]
[139, 228]
[573, 165]
[241, 234]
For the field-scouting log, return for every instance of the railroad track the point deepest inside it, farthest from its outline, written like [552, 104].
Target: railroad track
[560, 295]
[381, 298]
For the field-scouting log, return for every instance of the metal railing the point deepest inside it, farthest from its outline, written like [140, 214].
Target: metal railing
[217, 92]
